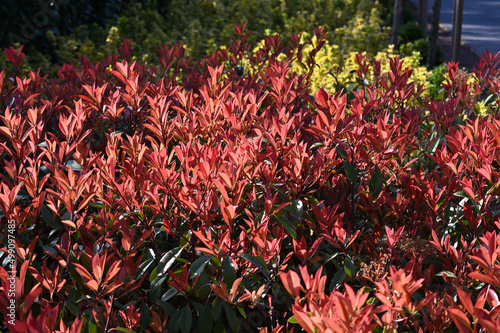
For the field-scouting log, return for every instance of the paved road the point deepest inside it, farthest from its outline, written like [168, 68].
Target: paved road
[481, 23]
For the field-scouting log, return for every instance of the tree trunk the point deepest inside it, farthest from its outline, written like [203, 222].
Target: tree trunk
[457, 29]
[396, 22]
[431, 52]
[423, 15]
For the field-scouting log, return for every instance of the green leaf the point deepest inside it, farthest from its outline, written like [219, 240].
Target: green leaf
[143, 267]
[342, 153]
[351, 172]
[289, 227]
[349, 267]
[447, 273]
[331, 257]
[433, 146]
[317, 144]
[259, 218]
[169, 294]
[153, 275]
[205, 321]
[296, 209]
[46, 215]
[168, 260]
[490, 99]
[168, 308]
[199, 265]
[234, 323]
[293, 320]
[158, 281]
[376, 182]
[185, 319]
[71, 302]
[49, 249]
[186, 238]
[440, 95]
[433, 260]
[123, 329]
[257, 261]
[312, 199]
[92, 327]
[74, 165]
[219, 327]
[202, 286]
[173, 325]
[216, 309]
[98, 204]
[337, 279]
[145, 315]
[229, 271]
[242, 311]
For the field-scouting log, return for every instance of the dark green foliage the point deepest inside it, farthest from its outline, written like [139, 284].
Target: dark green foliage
[410, 32]
[27, 21]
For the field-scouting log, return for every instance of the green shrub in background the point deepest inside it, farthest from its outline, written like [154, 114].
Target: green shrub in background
[410, 32]
[203, 26]
[335, 77]
[27, 21]
[437, 76]
[412, 39]
[365, 32]
[353, 26]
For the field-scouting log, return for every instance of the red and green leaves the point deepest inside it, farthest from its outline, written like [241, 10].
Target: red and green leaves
[156, 202]
[98, 281]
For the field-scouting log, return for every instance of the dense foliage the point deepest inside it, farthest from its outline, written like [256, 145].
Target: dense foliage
[225, 195]
[202, 26]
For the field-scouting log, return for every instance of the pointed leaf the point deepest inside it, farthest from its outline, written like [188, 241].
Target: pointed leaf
[289, 227]
[257, 261]
[168, 260]
[296, 209]
[460, 319]
[185, 319]
[337, 279]
[351, 172]
[229, 271]
[199, 265]
[123, 329]
[205, 321]
[169, 294]
[231, 318]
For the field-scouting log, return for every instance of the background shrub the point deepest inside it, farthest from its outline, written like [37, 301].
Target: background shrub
[202, 26]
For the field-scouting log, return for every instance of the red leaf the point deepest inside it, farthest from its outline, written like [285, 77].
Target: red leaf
[291, 282]
[460, 320]
[303, 318]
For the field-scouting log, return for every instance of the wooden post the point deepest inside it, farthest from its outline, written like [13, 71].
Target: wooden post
[396, 22]
[423, 15]
[431, 52]
[457, 29]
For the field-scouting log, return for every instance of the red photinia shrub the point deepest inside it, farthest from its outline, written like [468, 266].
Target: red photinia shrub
[224, 195]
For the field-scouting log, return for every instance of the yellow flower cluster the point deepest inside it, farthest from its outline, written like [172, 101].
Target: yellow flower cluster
[336, 71]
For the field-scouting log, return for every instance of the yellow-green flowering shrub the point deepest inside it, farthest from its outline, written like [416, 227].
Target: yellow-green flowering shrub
[336, 70]
[364, 32]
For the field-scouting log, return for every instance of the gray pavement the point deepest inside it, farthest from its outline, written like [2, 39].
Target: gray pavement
[481, 23]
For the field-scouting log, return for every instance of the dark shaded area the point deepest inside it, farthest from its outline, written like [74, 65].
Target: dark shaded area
[26, 21]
